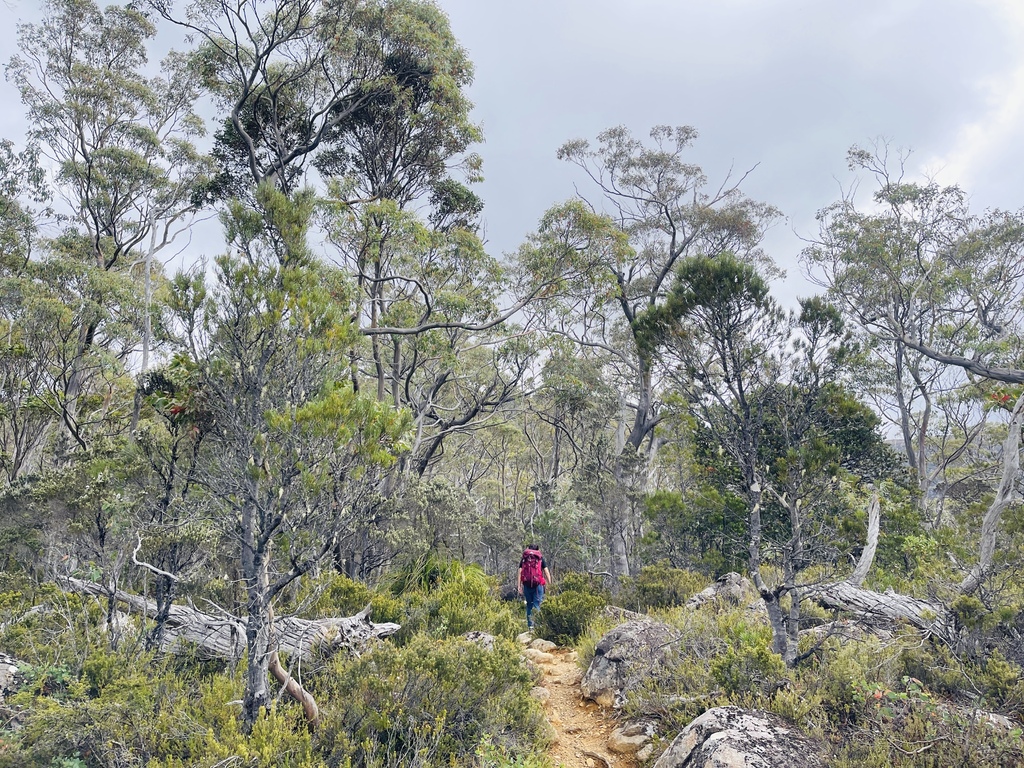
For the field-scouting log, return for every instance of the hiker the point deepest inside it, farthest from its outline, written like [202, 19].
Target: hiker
[533, 576]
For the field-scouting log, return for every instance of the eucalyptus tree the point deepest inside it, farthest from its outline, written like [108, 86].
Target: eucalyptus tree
[24, 420]
[932, 282]
[928, 284]
[355, 88]
[665, 210]
[293, 445]
[779, 432]
[125, 167]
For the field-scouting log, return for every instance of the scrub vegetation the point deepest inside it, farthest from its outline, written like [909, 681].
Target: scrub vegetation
[346, 402]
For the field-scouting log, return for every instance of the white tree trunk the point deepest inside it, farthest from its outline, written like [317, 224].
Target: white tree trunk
[223, 637]
[1005, 494]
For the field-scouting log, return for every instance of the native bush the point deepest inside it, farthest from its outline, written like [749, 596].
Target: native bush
[430, 703]
[720, 656]
[446, 598]
[660, 586]
[565, 614]
[906, 726]
[335, 594]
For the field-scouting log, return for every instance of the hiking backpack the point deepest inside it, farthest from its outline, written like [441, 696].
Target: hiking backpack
[531, 564]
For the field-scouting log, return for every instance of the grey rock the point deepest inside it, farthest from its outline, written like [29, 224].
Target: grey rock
[731, 737]
[543, 645]
[11, 678]
[621, 614]
[624, 657]
[731, 587]
[631, 737]
[538, 657]
[483, 639]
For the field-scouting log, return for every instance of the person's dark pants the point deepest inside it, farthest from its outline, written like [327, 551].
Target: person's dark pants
[534, 596]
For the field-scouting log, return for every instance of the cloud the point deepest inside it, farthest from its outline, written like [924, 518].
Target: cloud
[981, 144]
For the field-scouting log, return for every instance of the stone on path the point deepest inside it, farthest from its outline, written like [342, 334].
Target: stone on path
[540, 693]
[543, 645]
[538, 657]
[731, 737]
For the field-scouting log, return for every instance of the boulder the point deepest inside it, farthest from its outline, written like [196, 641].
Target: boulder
[631, 737]
[621, 614]
[545, 646]
[11, 678]
[731, 587]
[538, 657]
[483, 639]
[731, 737]
[625, 656]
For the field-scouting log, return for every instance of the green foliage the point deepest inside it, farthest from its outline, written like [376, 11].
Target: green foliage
[701, 527]
[564, 615]
[446, 598]
[490, 755]
[337, 595]
[1002, 683]
[904, 725]
[660, 586]
[430, 703]
[749, 666]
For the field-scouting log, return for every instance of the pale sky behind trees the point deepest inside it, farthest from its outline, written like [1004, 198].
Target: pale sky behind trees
[786, 85]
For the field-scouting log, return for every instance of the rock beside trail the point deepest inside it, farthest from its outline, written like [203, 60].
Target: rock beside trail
[625, 656]
[731, 587]
[731, 737]
[546, 646]
[11, 678]
[538, 657]
[483, 639]
[630, 738]
[621, 614]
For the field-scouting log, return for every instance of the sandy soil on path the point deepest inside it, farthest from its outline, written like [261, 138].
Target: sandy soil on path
[582, 726]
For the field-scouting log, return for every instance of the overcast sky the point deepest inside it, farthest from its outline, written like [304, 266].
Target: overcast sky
[786, 85]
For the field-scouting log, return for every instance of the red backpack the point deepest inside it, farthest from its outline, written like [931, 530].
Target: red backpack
[531, 565]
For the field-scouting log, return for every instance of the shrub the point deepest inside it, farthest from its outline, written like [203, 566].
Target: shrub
[563, 618]
[337, 595]
[565, 614]
[429, 703]
[451, 600]
[661, 586]
[749, 668]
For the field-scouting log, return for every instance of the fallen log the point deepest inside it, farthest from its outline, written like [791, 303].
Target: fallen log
[223, 636]
[886, 608]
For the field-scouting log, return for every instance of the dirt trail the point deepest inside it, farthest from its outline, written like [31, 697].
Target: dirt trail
[582, 726]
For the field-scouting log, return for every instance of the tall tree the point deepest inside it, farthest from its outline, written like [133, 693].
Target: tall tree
[126, 168]
[666, 210]
[762, 388]
[24, 420]
[294, 443]
[922, 278]
[921, 274]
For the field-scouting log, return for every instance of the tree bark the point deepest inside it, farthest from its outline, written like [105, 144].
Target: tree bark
[867, 555]
[223, 636]
[887, 607]
[1005, 494]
